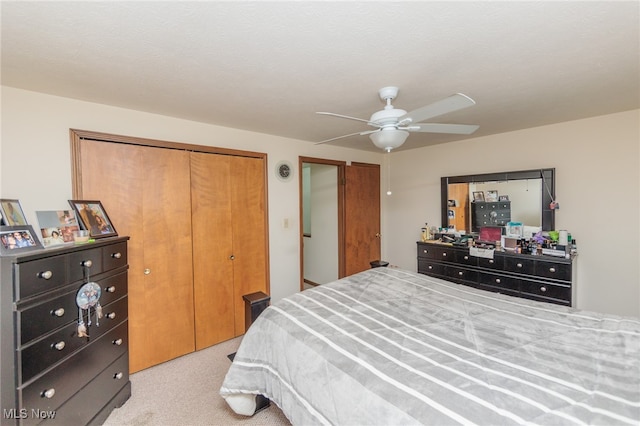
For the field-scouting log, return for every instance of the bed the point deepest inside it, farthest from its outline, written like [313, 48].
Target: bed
[389, 346]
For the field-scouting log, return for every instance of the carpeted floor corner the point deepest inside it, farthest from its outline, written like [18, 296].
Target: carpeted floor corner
[184, 391]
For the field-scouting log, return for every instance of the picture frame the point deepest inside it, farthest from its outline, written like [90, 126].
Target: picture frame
[492, 196]
[12, 214]
[478, 195]
[503, 198]
[93, 217]
[57, 226]
[16, 239]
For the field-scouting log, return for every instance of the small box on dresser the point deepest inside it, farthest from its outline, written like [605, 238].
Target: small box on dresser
[50, 374]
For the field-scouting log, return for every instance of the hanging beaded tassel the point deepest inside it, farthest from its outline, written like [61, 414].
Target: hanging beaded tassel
[82, 329]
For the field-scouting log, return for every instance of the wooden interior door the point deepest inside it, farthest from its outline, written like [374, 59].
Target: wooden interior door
[212, 248]
[250, 231]
[362, 216]
[458, 193]
[146, 194]
[168, 266]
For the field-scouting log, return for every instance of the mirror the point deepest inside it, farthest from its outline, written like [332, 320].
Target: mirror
[521, 196]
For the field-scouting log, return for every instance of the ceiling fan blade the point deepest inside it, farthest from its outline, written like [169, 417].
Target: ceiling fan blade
[450, 104]
[460, 129]
[346, 136]
[348, 117]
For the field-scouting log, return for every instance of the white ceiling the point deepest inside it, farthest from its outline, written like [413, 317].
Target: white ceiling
[269, 66]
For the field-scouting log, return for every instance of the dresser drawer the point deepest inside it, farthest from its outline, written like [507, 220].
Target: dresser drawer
[559, 271]
[114, 256]
[113, 288]
[426, 251]
[113, 314]
[542, 291]
[445, 254]
[512, 285]
[82, 407]
[427, 266]
[39, 276]
[464, 258]
[46, 316]
[49, 391]
[45, 352]
[84, 264]
[461, 274]
[519, 265]
[496, 263]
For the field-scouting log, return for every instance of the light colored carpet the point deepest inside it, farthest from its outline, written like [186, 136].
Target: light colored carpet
[184, 391]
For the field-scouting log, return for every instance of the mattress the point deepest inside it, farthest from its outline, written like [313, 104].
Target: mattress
[389, 346]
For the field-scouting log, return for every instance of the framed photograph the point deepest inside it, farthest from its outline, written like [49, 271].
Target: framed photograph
[503, 198]
[492, 196]
[14, 239]
[12, 214]
[93, 217]
[478, 196]
[57, 226]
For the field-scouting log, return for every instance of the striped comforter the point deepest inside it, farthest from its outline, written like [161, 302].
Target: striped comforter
[392, 347]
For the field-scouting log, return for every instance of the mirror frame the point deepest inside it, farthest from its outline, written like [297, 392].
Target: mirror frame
[548, 190]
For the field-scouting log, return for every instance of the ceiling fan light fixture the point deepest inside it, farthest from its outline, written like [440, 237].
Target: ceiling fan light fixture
[389, 139]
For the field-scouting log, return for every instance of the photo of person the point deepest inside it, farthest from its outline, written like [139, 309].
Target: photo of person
[17, 238]
[63, 222]
[93, 218]
[12, 213]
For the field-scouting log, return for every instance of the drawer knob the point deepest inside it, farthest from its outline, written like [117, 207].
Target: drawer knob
[147, 271]
[87, 263]
[543, 289]
[118, 342]
[460, 273]
[60, 345]
[118, 376]
[498, 280]
[58, 312]
[490, 260]
[552, 269]
[116, 255]
[49, 393]
[430, 267]
[111, 315]
[444, 254]
[111, 289]
[519, 265]
[425, 250]
[466, 258]
[45, 275]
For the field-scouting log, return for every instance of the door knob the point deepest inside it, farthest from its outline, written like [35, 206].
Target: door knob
[378, 235]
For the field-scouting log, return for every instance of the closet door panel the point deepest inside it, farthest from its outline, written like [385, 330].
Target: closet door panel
[248, 195]
[168, 267]
[113, 174]
[212, 248]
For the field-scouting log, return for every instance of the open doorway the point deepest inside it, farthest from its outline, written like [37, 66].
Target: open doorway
[321, 221]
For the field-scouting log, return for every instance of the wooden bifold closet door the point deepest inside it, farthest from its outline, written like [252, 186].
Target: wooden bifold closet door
[228, 194]
[198, 240]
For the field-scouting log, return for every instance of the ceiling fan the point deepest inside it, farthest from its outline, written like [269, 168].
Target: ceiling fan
[393, 125]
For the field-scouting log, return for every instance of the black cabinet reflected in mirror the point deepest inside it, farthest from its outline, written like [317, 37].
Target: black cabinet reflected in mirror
[493, 199]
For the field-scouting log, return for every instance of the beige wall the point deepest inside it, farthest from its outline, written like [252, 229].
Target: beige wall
[597, 164]
[36, 165]
[596, 160]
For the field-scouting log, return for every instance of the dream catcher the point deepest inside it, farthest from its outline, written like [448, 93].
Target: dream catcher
[88, 297]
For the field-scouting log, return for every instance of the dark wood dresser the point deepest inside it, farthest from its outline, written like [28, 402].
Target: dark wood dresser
[539, 277]
[489, 213]
[51, 375]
